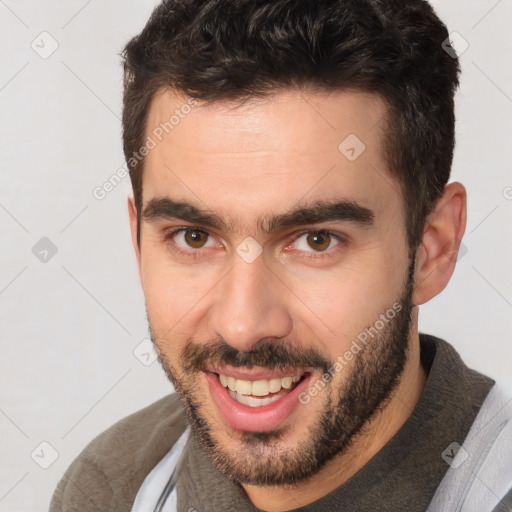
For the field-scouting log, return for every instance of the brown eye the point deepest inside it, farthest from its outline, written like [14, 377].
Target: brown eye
[190, 241]
[195, 238]
[319, 240]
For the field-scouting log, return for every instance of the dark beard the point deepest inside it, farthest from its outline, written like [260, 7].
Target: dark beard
[374, 374]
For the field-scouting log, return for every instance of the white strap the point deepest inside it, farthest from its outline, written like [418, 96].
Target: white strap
[481, 472]
[155, 482]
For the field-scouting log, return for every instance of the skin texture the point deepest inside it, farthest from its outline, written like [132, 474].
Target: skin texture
[268, 156]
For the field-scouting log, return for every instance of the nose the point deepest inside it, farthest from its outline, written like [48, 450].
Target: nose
[250, 304]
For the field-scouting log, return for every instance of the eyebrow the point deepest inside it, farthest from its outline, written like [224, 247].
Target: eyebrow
[318, 211]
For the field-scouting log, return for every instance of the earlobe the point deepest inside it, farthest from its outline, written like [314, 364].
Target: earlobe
[132, 214]
[437, 254]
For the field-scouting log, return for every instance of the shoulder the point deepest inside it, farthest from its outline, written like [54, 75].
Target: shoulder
[109, 471]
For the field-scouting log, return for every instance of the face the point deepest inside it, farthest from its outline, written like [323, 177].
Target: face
[276, 274]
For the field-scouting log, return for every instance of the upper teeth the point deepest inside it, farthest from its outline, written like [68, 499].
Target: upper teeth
[257, 387]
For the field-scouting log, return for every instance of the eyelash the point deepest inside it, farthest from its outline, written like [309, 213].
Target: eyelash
[196, 253]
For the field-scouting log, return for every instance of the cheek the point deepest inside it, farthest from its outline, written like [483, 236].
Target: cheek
[176, 295]
[345, 301]
[168, 291]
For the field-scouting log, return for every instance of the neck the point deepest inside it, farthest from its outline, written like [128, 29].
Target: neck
[377, 432]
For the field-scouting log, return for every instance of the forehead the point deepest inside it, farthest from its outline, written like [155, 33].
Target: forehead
[267, 152]
[277, 122]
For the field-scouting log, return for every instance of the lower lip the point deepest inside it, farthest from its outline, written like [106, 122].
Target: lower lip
[254, 419]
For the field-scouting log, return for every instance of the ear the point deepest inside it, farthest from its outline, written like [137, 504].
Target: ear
[437, 254]
[132, 213]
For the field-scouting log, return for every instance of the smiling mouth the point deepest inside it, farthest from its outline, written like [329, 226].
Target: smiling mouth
[256, 399]
[258, 393]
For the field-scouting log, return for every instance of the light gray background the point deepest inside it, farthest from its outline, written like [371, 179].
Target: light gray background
[69, 326]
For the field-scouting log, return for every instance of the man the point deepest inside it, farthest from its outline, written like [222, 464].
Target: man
[290, 212]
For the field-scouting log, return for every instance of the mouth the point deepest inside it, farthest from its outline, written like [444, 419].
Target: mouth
[249, 402]
[259, 393]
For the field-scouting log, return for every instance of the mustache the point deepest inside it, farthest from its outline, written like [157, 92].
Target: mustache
[273, 354]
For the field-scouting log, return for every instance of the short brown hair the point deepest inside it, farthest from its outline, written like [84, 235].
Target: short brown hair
[233, 49]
